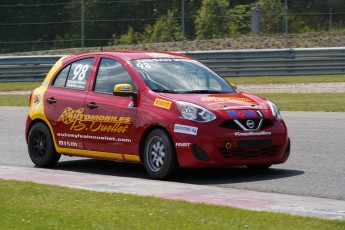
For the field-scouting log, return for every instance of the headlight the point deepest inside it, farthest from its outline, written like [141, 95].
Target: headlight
[275, 111]
[194, 112]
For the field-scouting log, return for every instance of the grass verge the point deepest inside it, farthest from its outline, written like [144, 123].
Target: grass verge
[14, 100]
[25, 205]
[326, 102]
[14, 86]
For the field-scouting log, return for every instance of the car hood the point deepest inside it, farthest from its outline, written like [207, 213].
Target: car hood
[222, 101]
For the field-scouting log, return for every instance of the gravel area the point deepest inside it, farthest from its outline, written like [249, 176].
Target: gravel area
[324, 87]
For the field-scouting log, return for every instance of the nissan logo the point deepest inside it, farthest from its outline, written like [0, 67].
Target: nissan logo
[250, 124]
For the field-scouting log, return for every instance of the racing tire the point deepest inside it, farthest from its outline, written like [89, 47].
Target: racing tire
[258, 167]
[159, 155]
[41, 147]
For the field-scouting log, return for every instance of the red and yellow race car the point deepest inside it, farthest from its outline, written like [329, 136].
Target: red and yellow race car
[164, 110]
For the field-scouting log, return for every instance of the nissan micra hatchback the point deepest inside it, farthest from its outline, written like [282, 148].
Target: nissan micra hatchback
[164, 110]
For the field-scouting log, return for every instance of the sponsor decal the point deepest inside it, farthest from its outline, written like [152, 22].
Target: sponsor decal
[162, 103]
[262, 133]
[87, 136]
[185, 129]
[125, 89]
[159, 55]
[78, 121]
[36, 100]
[238, 114]
[182, 145]
[145, 63]
[224, 99]
[70, 144]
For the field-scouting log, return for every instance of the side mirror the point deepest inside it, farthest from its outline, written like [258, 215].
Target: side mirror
[124, 90]
[234, 86]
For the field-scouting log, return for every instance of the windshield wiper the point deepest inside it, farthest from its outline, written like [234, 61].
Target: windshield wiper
[164, 90]
[202, 91]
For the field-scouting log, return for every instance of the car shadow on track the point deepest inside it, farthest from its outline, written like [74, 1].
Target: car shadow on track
[208, 176]
[104, 167]
[233, 175]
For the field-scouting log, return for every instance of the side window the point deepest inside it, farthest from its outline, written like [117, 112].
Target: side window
[74, 75]
[78, 73]
[110, 73]
[60, 80]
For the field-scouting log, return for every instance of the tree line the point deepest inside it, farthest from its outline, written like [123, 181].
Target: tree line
[49, 24]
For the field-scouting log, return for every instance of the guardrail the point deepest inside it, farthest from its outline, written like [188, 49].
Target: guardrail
[267, 62]
[25, 68]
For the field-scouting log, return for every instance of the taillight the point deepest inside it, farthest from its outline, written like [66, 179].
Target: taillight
[30, 98]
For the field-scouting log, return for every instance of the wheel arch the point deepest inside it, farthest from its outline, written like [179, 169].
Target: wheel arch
[144, 138]
[33, 122]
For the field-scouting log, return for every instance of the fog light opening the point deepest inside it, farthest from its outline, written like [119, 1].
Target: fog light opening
[227, 145]
[199, 153]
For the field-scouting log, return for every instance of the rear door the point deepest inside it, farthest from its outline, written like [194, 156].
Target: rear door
[111, 120]
[64, 102]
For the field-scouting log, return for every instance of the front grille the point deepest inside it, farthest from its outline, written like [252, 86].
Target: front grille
[231, 124]
[239, 153]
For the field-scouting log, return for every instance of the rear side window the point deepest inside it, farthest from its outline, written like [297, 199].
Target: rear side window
[74, 75]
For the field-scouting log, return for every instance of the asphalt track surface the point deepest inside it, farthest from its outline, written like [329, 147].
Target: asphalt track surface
[311, 182]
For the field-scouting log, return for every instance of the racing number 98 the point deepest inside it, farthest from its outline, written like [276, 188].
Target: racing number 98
[80, 71]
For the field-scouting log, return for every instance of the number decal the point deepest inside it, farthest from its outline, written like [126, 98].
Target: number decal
[80, 71]
[144, 65]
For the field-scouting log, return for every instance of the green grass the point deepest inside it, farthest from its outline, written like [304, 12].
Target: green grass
[25, 205]
[14, 100]
[327, 102]
[286, 79]
[13, 86]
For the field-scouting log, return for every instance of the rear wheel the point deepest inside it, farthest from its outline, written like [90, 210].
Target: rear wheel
[159, 155]
[41, 147]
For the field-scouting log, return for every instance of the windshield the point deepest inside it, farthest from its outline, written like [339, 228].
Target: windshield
[174, 75]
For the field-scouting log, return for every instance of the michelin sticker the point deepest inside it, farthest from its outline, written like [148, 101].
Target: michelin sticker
[185, 129]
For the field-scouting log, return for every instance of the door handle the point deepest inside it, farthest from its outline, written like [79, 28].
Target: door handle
[92, 105]
[51, 100]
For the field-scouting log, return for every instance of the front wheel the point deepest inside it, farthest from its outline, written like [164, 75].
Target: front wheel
[41, 147]
[159, 155]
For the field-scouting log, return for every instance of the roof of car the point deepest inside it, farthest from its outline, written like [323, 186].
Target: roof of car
[133, 54]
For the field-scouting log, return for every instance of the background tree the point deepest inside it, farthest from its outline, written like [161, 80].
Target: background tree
[166, 29]
[316, 15]
[240, 19]
[271, 16]
[25, 24]
[211, 21]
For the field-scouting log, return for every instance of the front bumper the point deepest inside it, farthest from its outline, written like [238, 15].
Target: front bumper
[219, 147]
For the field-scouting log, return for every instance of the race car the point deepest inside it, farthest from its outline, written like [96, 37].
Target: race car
[164, 110]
